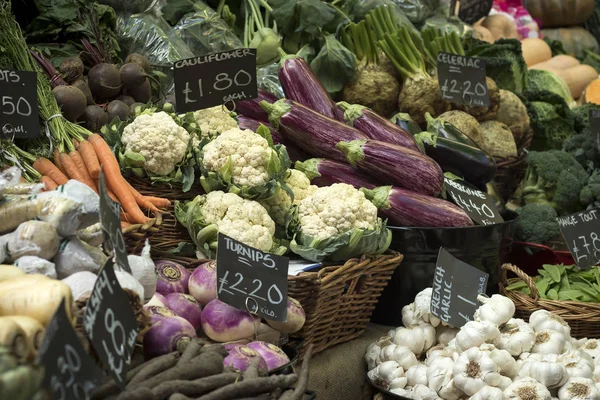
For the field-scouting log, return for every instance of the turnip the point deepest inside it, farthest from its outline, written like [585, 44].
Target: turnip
[118, 109]
[85, 89]
[172, 277]
[241, 357]
[157, 300]
[127, 100]
[273, 355]
[94, 118]
[372, 86]
[71, 68]
[166, 335]
[295, 318]
[224, 323]
[203, 282]
[140, 60]
[158, 312]
[186, 307]
[104, 81]
[141, 92]
[72, 101]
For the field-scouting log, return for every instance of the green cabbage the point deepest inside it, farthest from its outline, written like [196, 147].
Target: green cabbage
[539, 80]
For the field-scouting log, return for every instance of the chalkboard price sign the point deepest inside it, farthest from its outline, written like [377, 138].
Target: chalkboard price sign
[70, 372]
[471, 11]
[214, 79]
[462, 79]
[252, 280]
[581, 232]
[595, 127]
[111, 225]
[111, 324]
[478, 205]
[456, 286]
[19, 116]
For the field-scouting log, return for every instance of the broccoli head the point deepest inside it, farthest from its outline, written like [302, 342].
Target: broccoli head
[582, 116]
[585, 150]
[551, 120]
[590, 194]
[554, 178]
[537, 224]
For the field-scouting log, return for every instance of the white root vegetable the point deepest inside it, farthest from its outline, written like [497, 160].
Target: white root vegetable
[92, 235]
[80, 193]
[10, 177]
[81, 284]
[75, 256]
[34, 331]
[31, 238]
[127, 281]
[14, 338]
[36, 265]
[144, 270]
[9, 272]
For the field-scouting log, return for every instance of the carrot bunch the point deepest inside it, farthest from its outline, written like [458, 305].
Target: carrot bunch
[83, 164]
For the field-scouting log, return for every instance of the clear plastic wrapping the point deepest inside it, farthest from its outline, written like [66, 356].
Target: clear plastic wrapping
[418, 11]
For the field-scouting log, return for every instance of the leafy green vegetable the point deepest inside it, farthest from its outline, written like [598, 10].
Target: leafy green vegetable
[538, 80]
[174, 10]
[537, 224]
[551, 119]
[334, 65]
[556, 47]
[306, 17]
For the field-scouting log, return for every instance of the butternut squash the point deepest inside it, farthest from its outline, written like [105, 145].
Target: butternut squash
[501, 26]
[559, 62]
[535, 51]
[578, 78]
[592, 93]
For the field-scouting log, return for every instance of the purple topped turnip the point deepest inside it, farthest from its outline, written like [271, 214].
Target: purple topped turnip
[240, 358]
[166, 335]
[157, 300]
[172, 277]
[295, 318]
[158, 312]
[224, 323]
[203, 282]
[273, 355]
[186, 307]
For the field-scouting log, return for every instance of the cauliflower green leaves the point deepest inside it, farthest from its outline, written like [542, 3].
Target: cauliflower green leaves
[241, 219]
[245, 163]
[336, 223]
[279, 205]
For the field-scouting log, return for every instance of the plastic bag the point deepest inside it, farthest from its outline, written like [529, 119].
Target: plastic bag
[267, 79]
[205, 32]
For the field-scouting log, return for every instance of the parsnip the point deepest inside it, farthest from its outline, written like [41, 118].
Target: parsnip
[22, 281]
[31, 238]
[9, 272]
[76, 256]
[13, 337]
[21, 383]
[33, 330]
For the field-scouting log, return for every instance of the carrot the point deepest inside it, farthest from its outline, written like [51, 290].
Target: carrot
[141, 200]
[78, 161]
[125, 217]
[159, 201]
[58, 163]
[49, 183]
[115, 180]
[89, 158]
[110, 194]
[70, 167]
[125, 224]
[47, 168]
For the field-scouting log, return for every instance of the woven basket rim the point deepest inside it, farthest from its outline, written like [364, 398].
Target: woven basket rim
[521, 151]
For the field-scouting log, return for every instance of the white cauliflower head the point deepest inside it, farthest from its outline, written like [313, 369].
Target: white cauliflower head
[334, 210]
[249, 153]
[159, 139]
[243, 220]
[279, 205]
[213, 121]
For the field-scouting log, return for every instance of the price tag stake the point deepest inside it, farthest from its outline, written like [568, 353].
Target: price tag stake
[19, 115]
[478, 205]
[111, 225]
[252, 280]
[462, 79]
[110, 323]
[70, 372]
[215, 79]
[581, 232]
[456, 286]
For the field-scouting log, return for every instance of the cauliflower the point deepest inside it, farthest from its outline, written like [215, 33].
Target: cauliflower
[279, 205]
[241, 219]
[213, 121]
[337, 222]
[243, 162]
[159, 139]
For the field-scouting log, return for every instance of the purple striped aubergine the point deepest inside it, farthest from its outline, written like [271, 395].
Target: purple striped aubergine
[395, 164]
[376, 127]
[294, 152]
[300, 84]
[323, 172]
[251, 108]
[310, 131]
[403, 207]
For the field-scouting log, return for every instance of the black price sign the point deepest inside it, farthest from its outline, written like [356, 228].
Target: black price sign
[581, 233]
[252, 280]
[462, 79]
[456, 286]
[478, 205]
[471, 11]
[111, 324]
[214, 79]
[70, 372]
[110, 213]
[20, 115]
[595, 126]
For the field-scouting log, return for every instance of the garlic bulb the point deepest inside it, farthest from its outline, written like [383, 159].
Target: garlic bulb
[422, 392]
[435, 352]
[516, 337]
[496, 309]
[417, 375]
[549, 371]
[579, 389]
[597, 373]
[388, 375]
[471, 370]
[410, 317]
[439, 373]
[578, 364]
[450, 391]
[476, 333]
[592, 348]
[503, 382]
[527, 389]
[374, 350]
[542, 320]
[400, 354]
[488, 393]
[548, 342]
[507, 365]
[444, 334]
[418, 338]
[423, 306]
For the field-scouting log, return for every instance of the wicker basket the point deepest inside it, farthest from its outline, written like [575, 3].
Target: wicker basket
[583, 318]
[339, 300]
[511, 171]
